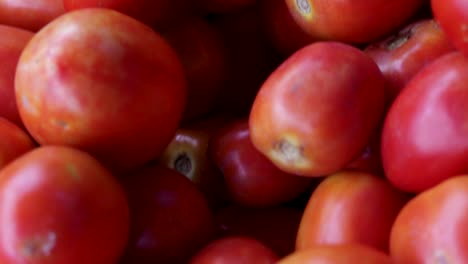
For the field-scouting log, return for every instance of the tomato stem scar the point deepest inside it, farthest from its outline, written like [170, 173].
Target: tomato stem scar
[183, 164]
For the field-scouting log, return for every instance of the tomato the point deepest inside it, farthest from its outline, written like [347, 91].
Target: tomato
[274, 226]
[29, 14]
[337, 254]
[350, 207]
[352, 21]
[370, 159]
[235, 249]
[317, 111]
[431, 227]
[12, 43]
[188, 154]
[14, 142]
[452, 16]
[201, 49]
[170, 218]
[425, 139]
[60, 205]
[401, 55]
[251, 178]
[100, 81]
[156, 13]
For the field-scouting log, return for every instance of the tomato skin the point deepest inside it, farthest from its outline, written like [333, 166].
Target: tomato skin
[337, 254]
[60, 205]
[350, 207]
[122, 102]
[452, 16]
[424, 139]
[170, 218]
[306, 131]
[14, 142]
[352, 21]
[30, 14]
[235, 249]
[431, 226]
[251, 178]
[403, 54]
[12, 43]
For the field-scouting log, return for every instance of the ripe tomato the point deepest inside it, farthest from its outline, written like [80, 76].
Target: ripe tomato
[337, 254]
[452, 16]
[170, 218]
[60, 205]
[425, 137]
[233, 250]
[352, 21]
[12, 43]
[102, 82]
[14, 142]
[431, 228]
[317, 111]
[30, 14]
[350, 207]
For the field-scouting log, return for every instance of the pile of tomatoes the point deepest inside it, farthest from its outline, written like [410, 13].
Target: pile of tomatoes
[233, 131]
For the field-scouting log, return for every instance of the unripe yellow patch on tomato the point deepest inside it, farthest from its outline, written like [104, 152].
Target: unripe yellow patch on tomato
[288, 151]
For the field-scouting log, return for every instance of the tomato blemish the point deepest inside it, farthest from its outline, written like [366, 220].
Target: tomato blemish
[305, 8]
[39, 246]
[287, 151]
[183, 164]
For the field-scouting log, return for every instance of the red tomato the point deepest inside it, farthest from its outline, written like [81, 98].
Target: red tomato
[102, 82]
[234, 250]
[201, 49]
[337, 254]
[275, 226]
[252, 179]
[29, 14]
[403, 54]
[14, 142]
[431, 228]
[170, 218]
[425, 138]
[60, 205]
[452, 16]
[317, 111]
[352, 21]
[350, 207]
[282, 31]
[12, 43]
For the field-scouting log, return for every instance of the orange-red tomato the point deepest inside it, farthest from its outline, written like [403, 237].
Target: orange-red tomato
[30, 14]
[14, 142]
[60, 205]
[431, 228]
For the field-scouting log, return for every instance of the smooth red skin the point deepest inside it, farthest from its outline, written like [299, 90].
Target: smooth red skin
[171, 219]
[191, 141]
[282, 31]
[326, 117]
[222, 6]
[29, 14]
[14, 142]
[202, 51]
[233, 250]
[424, 139]
[156, 13]
[12, 43]
[251, 178]
[353, 21]
[250, 59]
[350, 207]
[452, 16]
[431, 227]
[60, 205]
[338, 254]
[403, 54]
[122, 100]
[275, 227]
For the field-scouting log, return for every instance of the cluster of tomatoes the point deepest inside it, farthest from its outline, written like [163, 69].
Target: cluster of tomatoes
[233, 131]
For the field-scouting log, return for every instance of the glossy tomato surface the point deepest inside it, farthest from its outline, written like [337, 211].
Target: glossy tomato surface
[103, 82]
[453, 18]
[425, 137]
[60, 205]
[30, 14]
[431, 228]
[14, 142]
[317, 111]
